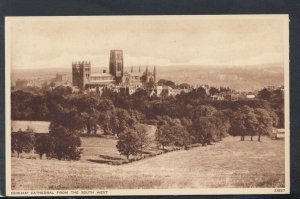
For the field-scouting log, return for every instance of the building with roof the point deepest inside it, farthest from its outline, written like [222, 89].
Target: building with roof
[278, 133]
[84, 79]
[29, 82]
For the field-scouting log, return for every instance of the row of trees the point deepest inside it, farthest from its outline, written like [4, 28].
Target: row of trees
[181, 120]
[28, 106]
[60, 143]
[208, 125]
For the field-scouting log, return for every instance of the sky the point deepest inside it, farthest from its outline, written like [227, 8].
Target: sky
[48, 42]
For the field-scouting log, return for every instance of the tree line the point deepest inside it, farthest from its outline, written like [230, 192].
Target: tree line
[60, 143]
[182, 120]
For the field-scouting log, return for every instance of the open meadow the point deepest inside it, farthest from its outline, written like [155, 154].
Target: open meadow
[227, 164]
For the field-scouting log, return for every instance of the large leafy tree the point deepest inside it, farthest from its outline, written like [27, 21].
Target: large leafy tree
[203, 111]
[62, 90]
[199, 93]
[180, 135]
[69, 118]
[144, 137]
[205, 129]
[222, 125]
[172, 132]
[264, 94]
[238, 125]
[213, 91]
[120, 121]
[129, 143]
[164, 135]
[251, 123]
[265, 122]
[21, 105]
[22, 141]
[105, 105]
[104, 120]
[244, 122]
[65, 142]
[43, 145]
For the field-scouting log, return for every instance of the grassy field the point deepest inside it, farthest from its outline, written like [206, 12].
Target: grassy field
[227, 164]
[103, 150]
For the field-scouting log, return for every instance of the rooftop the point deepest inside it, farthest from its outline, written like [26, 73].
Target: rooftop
[101, 75]
[101, 81]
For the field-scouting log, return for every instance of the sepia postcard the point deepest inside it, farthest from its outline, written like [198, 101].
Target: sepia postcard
[147, 105]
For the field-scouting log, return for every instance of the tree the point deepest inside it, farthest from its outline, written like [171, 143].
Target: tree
[104, 120]
[244, 122]
[45, 86]
[238, 126]
[21, 105]
[120, 121]
[68, 118]
[164, 82]
[136, 115]
[65, 142]
[222, 124]
[150, 85]
[264, 94]
[199, 93]
[173, 131]
[205, 129]
[265, 122]
[144, 137]
[164, 135]
[22, 141]
[178, 133]
[140, 93]
[90, 121]
[184, 86]
[43, 145]
[62, 90]
[39, 107]
[105, 105]
[188, 126]
[52, 85]
[251, 123]
[128, 143]
[213, 91]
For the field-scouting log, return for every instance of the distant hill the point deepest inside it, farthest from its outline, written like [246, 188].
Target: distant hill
[43, 74]
[238, 78]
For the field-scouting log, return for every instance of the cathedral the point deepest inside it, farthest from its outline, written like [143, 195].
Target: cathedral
[85, 80]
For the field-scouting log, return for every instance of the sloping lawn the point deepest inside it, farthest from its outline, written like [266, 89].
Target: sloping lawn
[230, 163]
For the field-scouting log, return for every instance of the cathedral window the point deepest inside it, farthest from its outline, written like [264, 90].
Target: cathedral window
[119, 66]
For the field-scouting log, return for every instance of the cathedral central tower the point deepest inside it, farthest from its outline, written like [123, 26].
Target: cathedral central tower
[116, 64]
